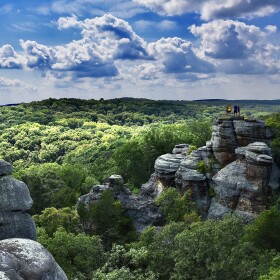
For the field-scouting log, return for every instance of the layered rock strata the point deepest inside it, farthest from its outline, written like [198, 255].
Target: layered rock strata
[229, 134]
[15, 203]
[243, 186]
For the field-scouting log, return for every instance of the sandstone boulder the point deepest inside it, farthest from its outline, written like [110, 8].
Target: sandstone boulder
[166, 167]
[15, 203]
[23, 259]
[243, 186]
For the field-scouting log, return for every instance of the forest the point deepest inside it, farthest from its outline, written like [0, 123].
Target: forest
[61, 148]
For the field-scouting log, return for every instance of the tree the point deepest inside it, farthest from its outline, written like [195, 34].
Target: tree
[175, 207]
[106, 218]
[264, 230]
[78, 255]
[213, 250]
[51, 219]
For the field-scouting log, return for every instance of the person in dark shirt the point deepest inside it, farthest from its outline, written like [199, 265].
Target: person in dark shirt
[235, 110]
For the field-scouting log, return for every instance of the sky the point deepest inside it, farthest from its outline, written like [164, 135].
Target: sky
[156, 49]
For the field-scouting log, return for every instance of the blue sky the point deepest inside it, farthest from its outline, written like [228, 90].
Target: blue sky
[158, 49]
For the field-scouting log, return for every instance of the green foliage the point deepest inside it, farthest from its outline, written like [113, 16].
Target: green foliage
[191, 148]
[175, 207]
[106, 218]
[51, 219]
[78, 255]
[264, 230]
[274, 271]
[135, 159]
[61, 148]
[273, 121]
[53, 185]
[202, 167]
[213, 250]
[161, 248]
[126, 264]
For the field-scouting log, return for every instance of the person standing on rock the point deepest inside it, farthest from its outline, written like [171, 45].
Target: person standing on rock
[238, 111]
[235, 110]
[228, 110]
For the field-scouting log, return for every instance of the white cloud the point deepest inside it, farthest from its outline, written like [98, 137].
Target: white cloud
[6, 83]
[213, 9]
[177, 56]
[237, 48]
[271, 28]
[115, 36]
[9, 59]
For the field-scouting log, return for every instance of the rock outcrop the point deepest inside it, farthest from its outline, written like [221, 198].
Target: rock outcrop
[229, 134]
[141, 208]
[15, 203]
[23, 259]
[236, 163]
[243, 185]
[233, 172]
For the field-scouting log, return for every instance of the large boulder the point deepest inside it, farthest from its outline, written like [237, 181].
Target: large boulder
[188, 178]
[224, 141]
[243, 186]
[23, 259]
[15, 203]
[231, 133]
[166, 167]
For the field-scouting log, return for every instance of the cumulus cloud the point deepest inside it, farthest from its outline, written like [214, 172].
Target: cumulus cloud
[9, 59]
[104, 40]
[213, 9]
[236, 47]
[114, 35]
[177, 56]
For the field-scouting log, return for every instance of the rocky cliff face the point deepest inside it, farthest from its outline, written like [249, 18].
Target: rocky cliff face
[243, 186]
[20, 256]
[229, 134]
[15, 203]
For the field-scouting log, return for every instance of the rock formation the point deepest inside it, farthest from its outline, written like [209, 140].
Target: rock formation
[24, 259]
[236, 167]
[15, 203]
[236, 163]
[243, 186]
[20, 256]
[141, 208]
[229, 134]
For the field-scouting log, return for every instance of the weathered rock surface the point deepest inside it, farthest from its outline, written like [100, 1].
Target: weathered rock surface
[23, 259]
[166, 167]
[230, 133]
[141, 208]
[15, 202]
[243, 186]
[181, 149]
[5, 168]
